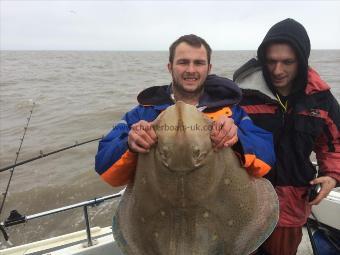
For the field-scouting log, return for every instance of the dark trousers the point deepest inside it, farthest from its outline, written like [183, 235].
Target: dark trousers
[283, 241]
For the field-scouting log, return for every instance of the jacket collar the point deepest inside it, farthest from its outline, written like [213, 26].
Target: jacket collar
[218, 92]
[250, 78]
[315, 83]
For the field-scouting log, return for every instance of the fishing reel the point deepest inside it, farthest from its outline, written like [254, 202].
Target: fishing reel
[14, 218]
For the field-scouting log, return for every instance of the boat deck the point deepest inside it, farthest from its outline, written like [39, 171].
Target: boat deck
[305, 247]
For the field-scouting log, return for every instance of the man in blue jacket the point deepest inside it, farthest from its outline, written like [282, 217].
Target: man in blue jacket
[216, 97]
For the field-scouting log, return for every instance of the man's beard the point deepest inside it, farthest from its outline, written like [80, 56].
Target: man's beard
[185, 93]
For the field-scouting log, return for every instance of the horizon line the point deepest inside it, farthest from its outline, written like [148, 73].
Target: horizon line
[137, 50]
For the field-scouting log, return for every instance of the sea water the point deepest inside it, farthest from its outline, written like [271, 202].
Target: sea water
[80, 96]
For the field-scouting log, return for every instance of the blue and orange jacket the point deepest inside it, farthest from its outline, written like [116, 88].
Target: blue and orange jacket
[116, 164]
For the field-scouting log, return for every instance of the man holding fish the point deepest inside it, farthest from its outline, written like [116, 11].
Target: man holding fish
[191, 158]
[217, 98]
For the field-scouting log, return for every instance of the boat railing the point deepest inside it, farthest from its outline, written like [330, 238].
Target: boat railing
[16, 218]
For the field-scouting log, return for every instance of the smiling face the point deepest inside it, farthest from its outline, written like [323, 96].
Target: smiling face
[282, 65]
[189, 70]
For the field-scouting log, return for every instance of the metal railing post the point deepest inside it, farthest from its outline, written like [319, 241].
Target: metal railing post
[88, 230]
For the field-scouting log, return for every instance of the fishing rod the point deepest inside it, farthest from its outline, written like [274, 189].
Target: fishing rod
[43, 155]
[16, 158]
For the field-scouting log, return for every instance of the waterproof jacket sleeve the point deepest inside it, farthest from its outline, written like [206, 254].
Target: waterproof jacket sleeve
[114, 162]
[257, 148]
[327, 147]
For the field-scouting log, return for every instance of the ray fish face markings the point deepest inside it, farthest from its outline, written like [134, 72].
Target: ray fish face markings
[183, 138]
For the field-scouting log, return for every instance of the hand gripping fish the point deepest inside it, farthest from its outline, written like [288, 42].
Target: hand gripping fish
[187, 199]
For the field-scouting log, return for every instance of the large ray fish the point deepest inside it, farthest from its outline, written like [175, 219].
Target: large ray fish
[187, 199]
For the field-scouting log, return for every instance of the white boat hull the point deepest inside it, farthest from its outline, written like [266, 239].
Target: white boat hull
[71, 244]
[328, 211]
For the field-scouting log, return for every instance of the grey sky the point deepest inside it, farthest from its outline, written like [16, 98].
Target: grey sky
[154, 25]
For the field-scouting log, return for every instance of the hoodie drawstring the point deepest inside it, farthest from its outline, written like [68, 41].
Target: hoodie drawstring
[284, 106]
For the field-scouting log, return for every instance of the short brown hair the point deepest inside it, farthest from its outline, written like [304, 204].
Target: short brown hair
[192, 40]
